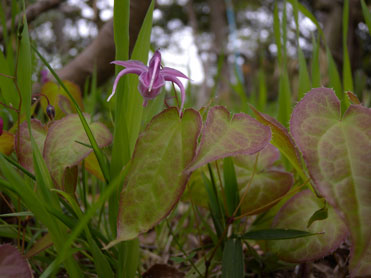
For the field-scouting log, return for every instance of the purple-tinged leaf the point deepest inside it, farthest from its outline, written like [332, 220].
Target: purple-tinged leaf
[267, 157]
[223, 136]
[265, 190]
[295, 214]
[12, 263]
[337, 152]
[62, 148]
[282, 140]
[23, 149]
[156, 177]
[267, 186]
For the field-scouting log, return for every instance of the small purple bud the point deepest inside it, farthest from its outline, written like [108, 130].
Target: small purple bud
[44, 76]
[1, 126]
[50, 111]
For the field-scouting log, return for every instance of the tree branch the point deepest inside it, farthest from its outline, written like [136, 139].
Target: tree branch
[32, 12]
[101, 51]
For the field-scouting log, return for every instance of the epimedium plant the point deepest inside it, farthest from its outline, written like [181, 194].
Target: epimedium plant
[302, 208]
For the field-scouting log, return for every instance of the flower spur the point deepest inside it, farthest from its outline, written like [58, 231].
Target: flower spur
[151, 78]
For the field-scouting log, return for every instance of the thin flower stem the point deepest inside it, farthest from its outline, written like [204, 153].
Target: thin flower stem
[181, 248]
[247, 187]
[43, 95]
[8, 106]
[272, 202]
[213, 252]
[6, 202]
[7, 76]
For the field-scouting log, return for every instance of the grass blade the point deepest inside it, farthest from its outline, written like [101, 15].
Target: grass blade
[316, 73]
[366, 15]
[100, 157]
[233, 259]
[347, 71]
[230, 185]
[276, 234]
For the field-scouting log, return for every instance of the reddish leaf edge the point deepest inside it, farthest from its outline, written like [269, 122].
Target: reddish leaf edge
[181, 188]
[321, 254]
[57, 123]
[265, 142]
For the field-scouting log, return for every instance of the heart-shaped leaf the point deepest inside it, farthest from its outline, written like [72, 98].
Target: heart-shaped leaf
[282, 140]
[156, 177]
[12, 263]
[267, 186]
[223, 136]
[267, 157]
[23, 147]
[337, 151]
[295, 215]
[59, 98]
[63, 146]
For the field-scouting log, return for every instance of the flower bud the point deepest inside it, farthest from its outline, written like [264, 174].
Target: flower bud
[50, 111]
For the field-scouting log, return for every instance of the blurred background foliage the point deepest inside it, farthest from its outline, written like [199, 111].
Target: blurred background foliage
[218, 42]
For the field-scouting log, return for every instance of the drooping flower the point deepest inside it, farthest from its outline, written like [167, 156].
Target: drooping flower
[151, 78]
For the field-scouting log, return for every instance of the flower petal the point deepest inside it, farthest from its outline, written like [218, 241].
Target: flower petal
[181, 87]
[173, 72]
[131, 64]
[120, 74]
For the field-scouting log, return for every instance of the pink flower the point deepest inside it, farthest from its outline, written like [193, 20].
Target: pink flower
[151, 78]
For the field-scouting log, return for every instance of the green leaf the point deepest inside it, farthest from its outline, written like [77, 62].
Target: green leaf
[366, 15]
[262, 100]
[61, 149]
[23, 143]
[294, 215]
[9, 93]
[337, 153]
[347, 71]
[214, 203]
[315, 69]
[277, 33]
[223, 136]
[267, 186]
[334, 77]
[308, 14]
[156, 177]
[59, 98]
[100, 157]
[320, 214]
[24, 70]
[121, 145]
[83, 222]
[284, 98]
[282, 140]
[233, 259]
[230, 185]
[6, 143]
[15, 214]
[101, 264]
[304, 80]
[276, 234]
